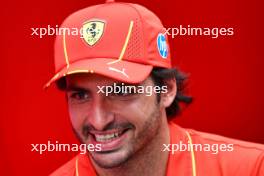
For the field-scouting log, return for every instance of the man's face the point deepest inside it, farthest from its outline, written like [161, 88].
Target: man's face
[122, 123]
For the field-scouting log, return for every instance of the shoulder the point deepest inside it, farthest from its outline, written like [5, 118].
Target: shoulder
[231, 153]
[68, 169]
[223, 155]
[209, 138]
[80, 164]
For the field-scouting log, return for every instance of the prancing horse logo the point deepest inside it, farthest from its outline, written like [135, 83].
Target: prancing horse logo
[92, 31]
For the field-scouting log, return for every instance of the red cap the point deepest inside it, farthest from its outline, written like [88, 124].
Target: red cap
[122, 41]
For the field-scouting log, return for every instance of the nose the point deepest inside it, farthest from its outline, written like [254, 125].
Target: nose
[100, 115]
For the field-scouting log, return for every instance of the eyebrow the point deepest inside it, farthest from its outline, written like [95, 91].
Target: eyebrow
[76, 88]
[124, 84]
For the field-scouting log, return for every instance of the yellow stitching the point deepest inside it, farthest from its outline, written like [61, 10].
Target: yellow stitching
[125, 44]
[77, 71]
[65, 50]
[76, 167]
[54, 77]
[192, 154]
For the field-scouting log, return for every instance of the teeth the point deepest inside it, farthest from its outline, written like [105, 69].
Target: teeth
[105, 138]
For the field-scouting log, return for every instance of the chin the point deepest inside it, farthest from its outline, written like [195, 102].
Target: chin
[110, 160]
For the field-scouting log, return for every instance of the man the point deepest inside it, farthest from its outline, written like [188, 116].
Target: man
[122, 46]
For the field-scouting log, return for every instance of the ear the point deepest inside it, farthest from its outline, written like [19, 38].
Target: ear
[168, 96]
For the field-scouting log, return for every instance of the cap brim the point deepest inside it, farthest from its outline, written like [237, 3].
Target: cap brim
[123, 71]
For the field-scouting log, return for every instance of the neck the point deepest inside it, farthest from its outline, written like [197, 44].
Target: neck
[151, 160]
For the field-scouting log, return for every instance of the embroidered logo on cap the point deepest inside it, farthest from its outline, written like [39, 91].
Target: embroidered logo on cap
[92, 31]
[162, 46]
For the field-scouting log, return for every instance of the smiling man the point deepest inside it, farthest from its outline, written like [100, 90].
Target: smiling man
[122, 45]
[130, 127]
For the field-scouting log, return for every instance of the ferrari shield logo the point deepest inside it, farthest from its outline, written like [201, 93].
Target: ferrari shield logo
[93, 31]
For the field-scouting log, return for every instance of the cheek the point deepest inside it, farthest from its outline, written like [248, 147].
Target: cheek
[77, 116]
[139, 111]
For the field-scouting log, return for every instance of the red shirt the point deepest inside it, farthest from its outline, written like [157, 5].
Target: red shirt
[232, 157]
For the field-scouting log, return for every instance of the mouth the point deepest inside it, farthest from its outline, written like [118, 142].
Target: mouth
[107, 137]
[109, 140]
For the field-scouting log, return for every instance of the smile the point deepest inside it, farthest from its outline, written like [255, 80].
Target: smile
[107, 137]
[109, 140]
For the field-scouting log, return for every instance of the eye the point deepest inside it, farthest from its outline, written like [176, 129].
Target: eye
[79, 96]
[123, 96]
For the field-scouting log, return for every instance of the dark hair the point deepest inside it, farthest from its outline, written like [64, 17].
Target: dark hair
[61, 83]
[160, 76]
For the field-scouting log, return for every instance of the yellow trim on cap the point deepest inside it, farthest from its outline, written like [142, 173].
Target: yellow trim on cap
[125, 44]
[65, 74]
[65, 51]
[54, 77]
[77, 71]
